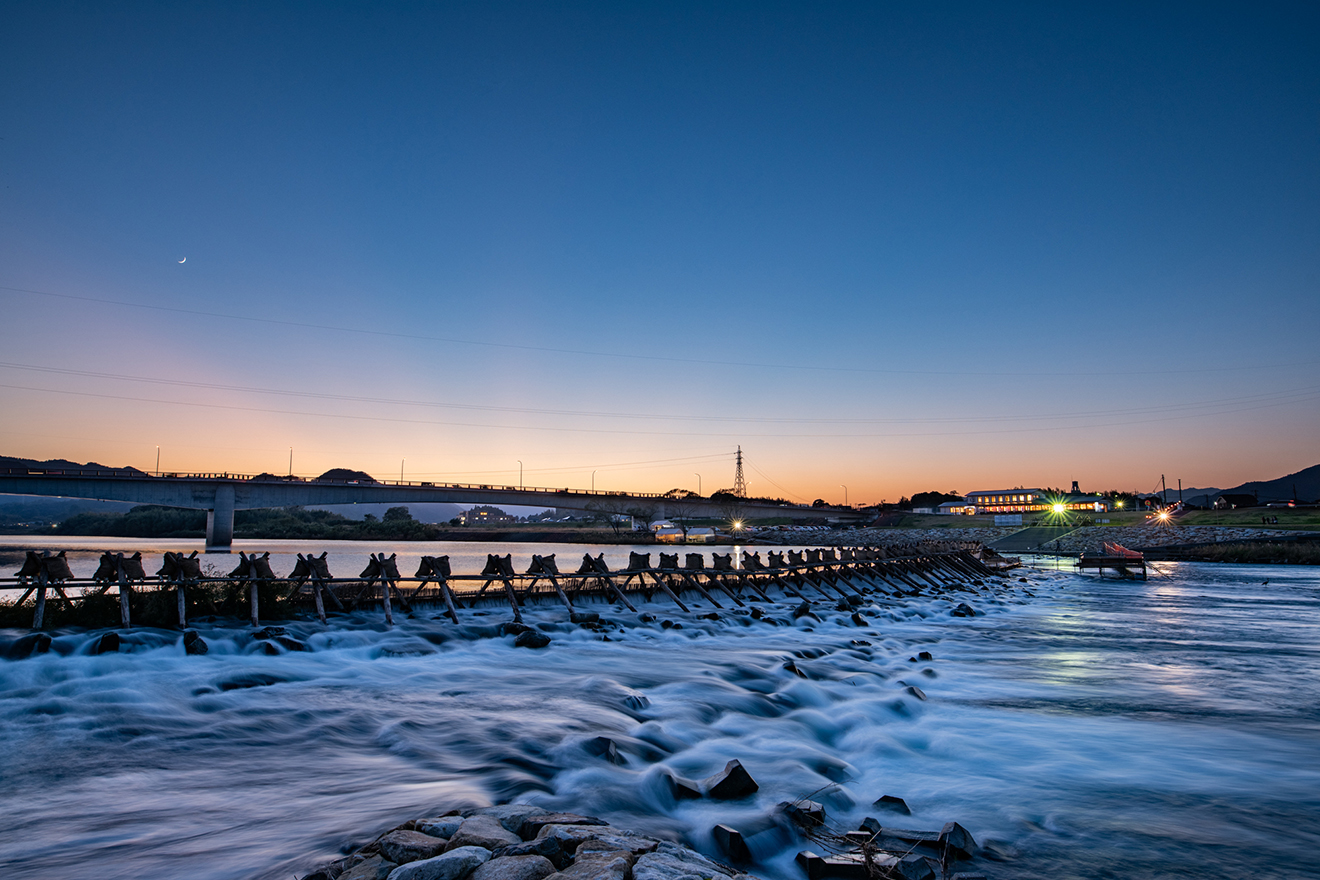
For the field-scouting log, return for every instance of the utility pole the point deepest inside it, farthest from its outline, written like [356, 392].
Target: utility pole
[1180, 490]
[1164, 490]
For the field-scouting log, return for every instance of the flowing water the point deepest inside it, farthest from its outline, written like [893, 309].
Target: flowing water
[1081, 727]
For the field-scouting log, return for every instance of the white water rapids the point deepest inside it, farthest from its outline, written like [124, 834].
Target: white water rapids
[1169, 728]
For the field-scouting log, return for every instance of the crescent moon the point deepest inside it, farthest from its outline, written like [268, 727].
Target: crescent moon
[184, 260]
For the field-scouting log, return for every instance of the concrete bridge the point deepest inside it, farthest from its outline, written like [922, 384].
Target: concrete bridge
[221, 494]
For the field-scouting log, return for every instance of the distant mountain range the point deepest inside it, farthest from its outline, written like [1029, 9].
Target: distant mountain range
[1306, 483]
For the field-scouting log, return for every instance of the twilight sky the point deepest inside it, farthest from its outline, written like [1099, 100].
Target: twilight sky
[886, 246]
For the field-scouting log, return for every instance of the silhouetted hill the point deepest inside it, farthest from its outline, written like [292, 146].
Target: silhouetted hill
[7, 461]
[1307, 482]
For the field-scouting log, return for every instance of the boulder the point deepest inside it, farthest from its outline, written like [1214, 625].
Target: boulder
[511, 816]
[604, 866]
[730, 783]
[925, 655]
[546, 847]
[439, 826]
[963, 610]
[892, 803]
[482, 831]
[402, 847]
[453, 865]
[532, 639]
[598, 838]
[915, 691]
[107, 644]
[530, 826]
[270, 632]
[374, 867]
[514, 628]
[677, 863]
[193, 643]
[859, 619]
[584, 617]
[528, 867]
[290, 644]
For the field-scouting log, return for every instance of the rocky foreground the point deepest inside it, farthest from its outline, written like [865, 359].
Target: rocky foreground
[520, 842]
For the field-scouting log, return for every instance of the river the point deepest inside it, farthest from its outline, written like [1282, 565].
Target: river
[1080, 727]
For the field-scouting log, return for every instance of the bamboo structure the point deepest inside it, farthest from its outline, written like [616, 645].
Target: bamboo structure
[844, 576]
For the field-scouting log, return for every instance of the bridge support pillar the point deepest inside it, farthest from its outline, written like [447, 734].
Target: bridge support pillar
[220, 519]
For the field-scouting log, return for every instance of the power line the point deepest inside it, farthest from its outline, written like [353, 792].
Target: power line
[449, 340]
[317, 395]
[652, 432]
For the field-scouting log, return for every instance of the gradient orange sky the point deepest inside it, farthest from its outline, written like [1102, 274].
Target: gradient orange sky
[950, 250]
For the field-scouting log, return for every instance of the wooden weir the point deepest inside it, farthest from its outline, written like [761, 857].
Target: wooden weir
[841, 576]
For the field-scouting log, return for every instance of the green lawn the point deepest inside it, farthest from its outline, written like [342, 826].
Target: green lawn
[1306, 518]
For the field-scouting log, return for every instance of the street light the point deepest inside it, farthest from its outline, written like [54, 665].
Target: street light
[593, 481]
[520, 485]
[158, 461]
[698, 476]
[845, 495]
[290, 461]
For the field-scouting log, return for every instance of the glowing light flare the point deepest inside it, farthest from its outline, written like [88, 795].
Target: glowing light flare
[1060, 508]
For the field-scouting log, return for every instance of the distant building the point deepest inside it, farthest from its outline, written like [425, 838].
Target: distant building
[485, 514]
[956, 508]
[1032, 501]
[1234, 501]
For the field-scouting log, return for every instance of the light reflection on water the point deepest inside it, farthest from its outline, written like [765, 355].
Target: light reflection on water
[1165, 728]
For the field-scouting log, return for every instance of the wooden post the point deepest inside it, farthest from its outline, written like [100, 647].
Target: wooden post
[183, 615]
[688, 579]
[253, 612]
[385, 589]
[125, 590]
[449, 597]
[664, 586]
[41, 599]
[316, 594]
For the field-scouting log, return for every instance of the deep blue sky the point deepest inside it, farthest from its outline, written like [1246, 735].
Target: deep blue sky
[1019, 244]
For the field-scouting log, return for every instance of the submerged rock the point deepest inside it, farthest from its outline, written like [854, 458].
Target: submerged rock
[730, 783]
[531, 639]
[107, 644]
[193, 643]
[29, 646]
[892, 803]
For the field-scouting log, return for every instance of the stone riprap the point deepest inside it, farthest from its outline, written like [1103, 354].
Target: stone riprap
[520, 842]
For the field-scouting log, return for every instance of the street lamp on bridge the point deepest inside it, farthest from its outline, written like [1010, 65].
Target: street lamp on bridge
[520, 481]
[845, 495]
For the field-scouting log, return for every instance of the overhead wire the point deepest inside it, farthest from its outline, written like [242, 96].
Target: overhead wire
[636, 356]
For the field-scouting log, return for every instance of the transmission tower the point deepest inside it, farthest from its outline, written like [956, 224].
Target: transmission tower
[739, 483]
